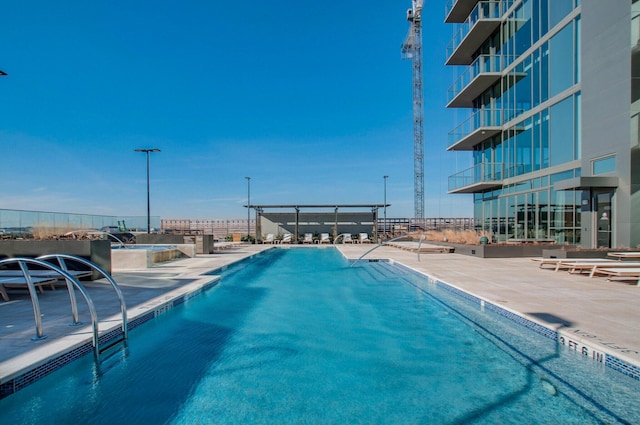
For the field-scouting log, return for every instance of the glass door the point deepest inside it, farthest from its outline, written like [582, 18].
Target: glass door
[604, 217]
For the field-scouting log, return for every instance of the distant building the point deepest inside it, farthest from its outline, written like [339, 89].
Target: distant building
[551, 91]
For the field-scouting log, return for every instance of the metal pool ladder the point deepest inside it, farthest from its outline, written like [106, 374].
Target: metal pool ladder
[72, 284]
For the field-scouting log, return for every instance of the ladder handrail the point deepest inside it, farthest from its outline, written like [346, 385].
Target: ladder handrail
[378, 246]
[34, 296]
[123, 308]
[338, 237]
[420, 244]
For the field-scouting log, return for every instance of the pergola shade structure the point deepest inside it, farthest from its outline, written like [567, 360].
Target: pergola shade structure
[299, 219]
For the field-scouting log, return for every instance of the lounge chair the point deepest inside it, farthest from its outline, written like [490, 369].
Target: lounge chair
[364, 238]
[626, 273]
[324, 238]
[286, 238]
[614, 265]
[622, 255]
[308, 238]
[44, 277]
[270, 238]
[563, 263]
[347, 238]
[20, 282]
[583, 266]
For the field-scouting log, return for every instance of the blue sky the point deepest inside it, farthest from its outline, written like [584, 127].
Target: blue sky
[310, 99]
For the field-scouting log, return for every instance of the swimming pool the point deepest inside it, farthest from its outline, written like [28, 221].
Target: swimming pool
[298, 336]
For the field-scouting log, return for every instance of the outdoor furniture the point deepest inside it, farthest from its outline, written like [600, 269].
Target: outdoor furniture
[21, 282]
[583, 266]
[558, 263]
[628, 273]
[622, 255]
[616, 265]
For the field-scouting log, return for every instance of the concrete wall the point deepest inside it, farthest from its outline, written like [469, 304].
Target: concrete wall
[203, 243]
[605, 50]
[97, 251]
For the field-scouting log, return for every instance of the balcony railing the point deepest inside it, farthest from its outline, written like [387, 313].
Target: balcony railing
[491, 11]
[480, 119]
[490, 66]
[458, 10]
[481, 176]
[487, 122]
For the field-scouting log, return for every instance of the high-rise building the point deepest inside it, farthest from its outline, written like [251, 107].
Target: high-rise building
[550, 91]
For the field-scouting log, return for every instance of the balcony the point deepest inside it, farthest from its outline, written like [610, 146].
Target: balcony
[480, 126]
[483, 176]
[485, 71]
[483, 20]
[457, 11]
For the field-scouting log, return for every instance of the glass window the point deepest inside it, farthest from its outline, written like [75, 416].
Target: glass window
[522, 22]
[544, 72]
[561, 176]
[603, 165]
[535, 75]
[577, 51]
[544, 17]
[523, 147]
[537, 154]
[561, 134]
[544, 138]
[578, 125]
[561, 59]
[558, 9]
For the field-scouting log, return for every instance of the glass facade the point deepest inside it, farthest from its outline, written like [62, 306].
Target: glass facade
[540, 142]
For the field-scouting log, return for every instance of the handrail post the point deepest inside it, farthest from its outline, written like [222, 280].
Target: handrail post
[72, 296]
[35, 303]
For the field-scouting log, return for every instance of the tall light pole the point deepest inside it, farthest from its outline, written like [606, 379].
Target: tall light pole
[384, 235]
[148, 151]
[248, 209]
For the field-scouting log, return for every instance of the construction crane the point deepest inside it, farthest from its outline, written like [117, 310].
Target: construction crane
[412, 50]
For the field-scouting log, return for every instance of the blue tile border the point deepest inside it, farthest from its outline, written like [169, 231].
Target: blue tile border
[16, 384]
[609, 360]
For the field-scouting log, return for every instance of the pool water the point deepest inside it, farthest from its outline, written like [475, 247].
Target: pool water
[297, 336]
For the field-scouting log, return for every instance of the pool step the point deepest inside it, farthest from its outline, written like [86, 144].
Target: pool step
[383, 270]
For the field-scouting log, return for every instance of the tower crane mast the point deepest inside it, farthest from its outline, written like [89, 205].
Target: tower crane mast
[412, 50]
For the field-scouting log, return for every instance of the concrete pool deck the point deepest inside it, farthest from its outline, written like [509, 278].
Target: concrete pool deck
[589, 312]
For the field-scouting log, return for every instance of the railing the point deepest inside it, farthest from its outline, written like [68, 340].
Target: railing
[35, 303]
[448, 7]
[24, 223]
[479, 119]
[73, 284]
[483, 10]
[376, 247]
[482, 64]
[61, 259]
[484, 172]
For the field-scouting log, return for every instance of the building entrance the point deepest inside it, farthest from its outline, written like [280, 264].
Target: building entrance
[603, 217]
